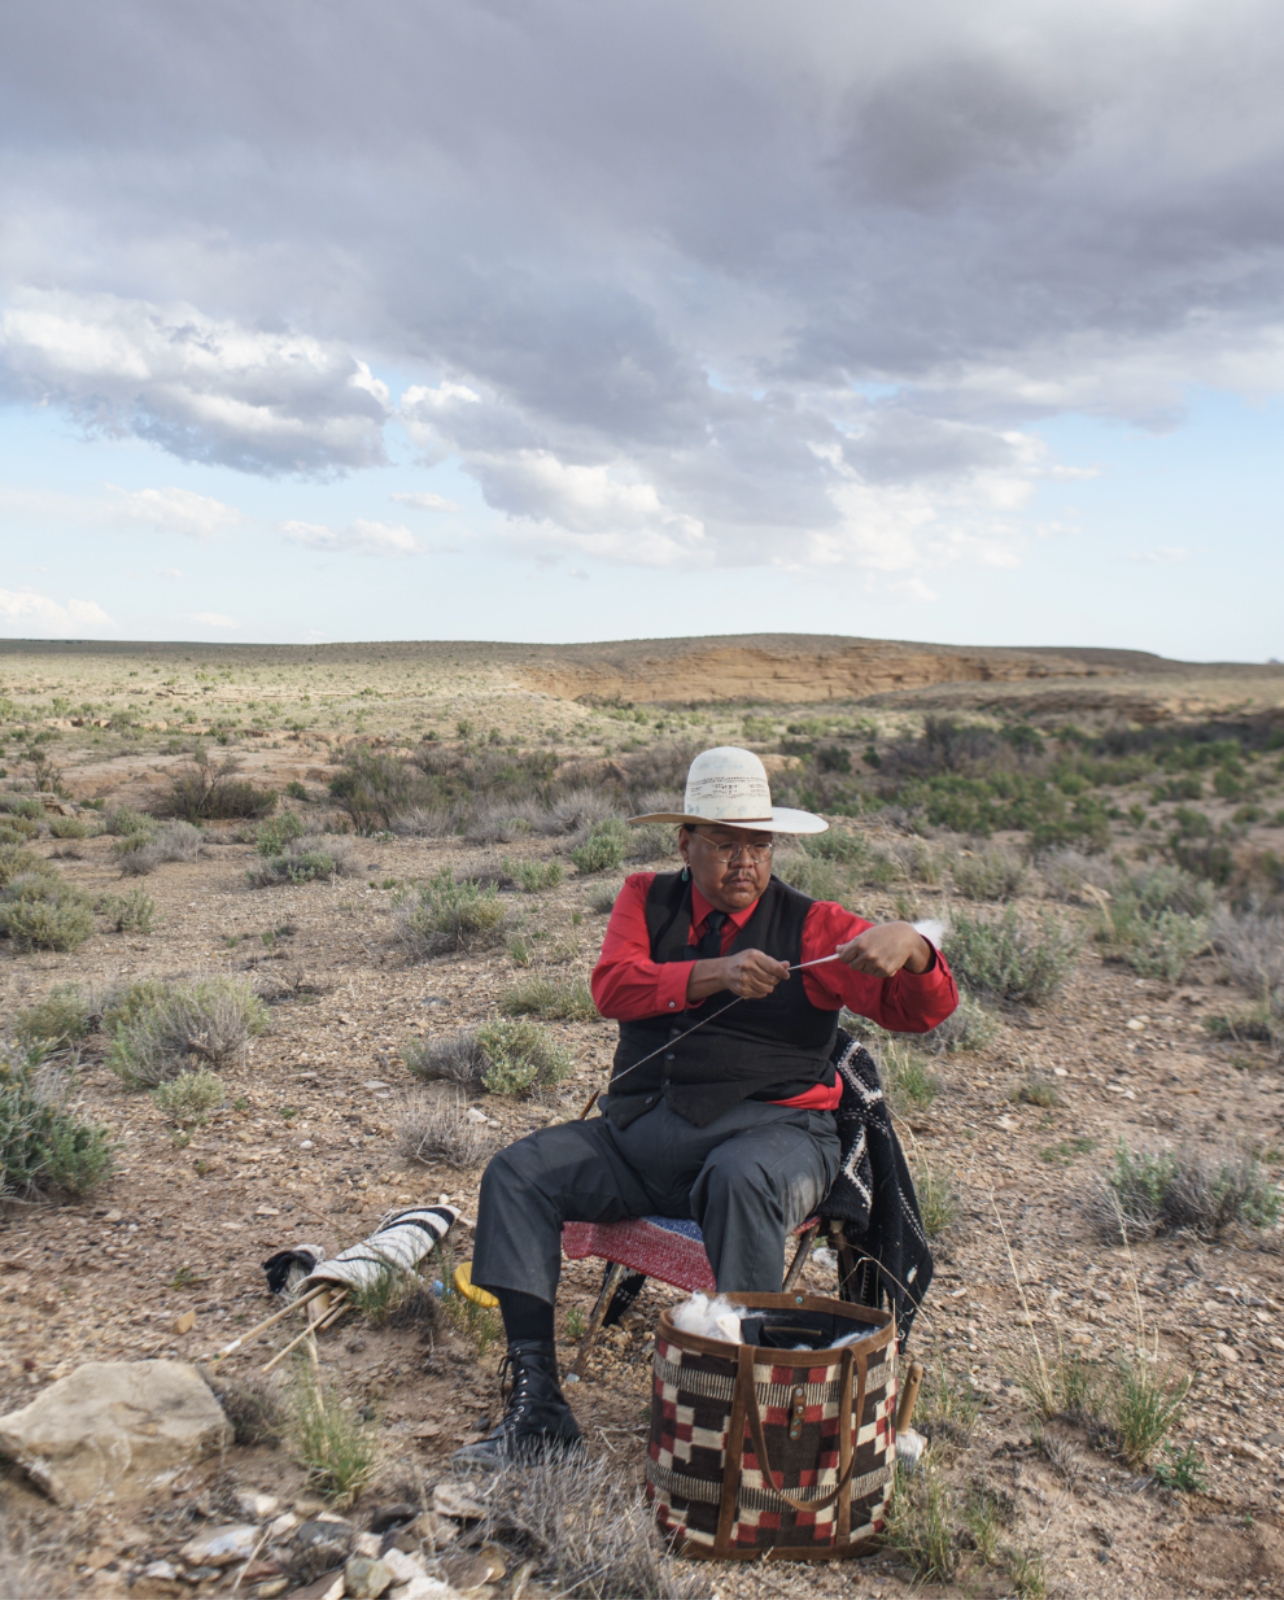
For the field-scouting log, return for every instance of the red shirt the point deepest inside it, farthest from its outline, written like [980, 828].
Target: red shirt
[628, 985]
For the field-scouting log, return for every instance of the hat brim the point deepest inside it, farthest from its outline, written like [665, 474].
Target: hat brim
[783, 819]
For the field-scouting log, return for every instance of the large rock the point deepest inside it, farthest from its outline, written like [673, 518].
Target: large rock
[115, 1428]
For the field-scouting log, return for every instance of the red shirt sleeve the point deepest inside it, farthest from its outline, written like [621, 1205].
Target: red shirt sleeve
[626, 983]
[909, 1002]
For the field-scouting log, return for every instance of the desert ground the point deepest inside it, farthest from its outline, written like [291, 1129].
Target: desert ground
[1124, 814]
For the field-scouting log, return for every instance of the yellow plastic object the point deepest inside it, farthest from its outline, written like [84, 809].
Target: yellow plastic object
[464, 1283]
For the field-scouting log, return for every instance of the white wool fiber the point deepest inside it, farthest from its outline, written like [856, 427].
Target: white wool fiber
[932, 930]
[710, 1319]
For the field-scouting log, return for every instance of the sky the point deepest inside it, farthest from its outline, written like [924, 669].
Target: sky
[588, 319]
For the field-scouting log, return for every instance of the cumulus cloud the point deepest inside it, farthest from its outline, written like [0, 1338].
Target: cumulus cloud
[214, 619]
[24, 612]
[176, 511]
[203, 388]
[811, 315]
[366, 538]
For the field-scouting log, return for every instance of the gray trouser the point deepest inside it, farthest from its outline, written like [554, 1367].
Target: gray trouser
[748, 1179]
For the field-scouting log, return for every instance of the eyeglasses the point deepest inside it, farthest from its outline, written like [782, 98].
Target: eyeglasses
[727, 853]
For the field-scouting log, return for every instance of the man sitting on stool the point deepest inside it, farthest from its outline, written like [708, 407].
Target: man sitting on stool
[730, 1123]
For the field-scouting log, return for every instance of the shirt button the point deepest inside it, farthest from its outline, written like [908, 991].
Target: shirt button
[673, 1005]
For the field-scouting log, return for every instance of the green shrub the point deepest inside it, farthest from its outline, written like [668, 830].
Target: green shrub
[814, 876]
[69, 828]
[44, 1145]
[125, 823]
[520, 1056]
[1009, 959]
[189, 1098]
[23, 805]
[907, 1081]
[990, 874]
[16, 831]
[134, 912]
[603, 896]
[919, 1524]
[63, 1018]
[375, 789]
[604, 849]
[443, 915]
[969, 1027]
[553, 999]
[1157, 1192]
[937, 1202]
[124, 1005]
[211, 1020]
[19, 862]
[836, 845]
[533, 876]
[209, 791]
[652, 841]
[296, 791]
[1147, 1402]
[337, 1450]
[305, 860]
[39, 912]
[275, 834]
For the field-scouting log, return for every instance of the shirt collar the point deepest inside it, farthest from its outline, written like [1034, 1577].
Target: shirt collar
[700, 909]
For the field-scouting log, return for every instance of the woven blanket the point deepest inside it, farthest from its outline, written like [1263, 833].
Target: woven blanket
[397, 1245]
[873, 1195]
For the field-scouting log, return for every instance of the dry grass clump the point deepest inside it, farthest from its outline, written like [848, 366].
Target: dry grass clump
[603, 896]
[41, 911]
[1157, 921]
[306, 859]
[58, 1022]
[337, 1450]
[157, 1035]
[503, 1056]
[1067, 872]
[908, 1082]
[141, 853]
[1008, 958]
[576, 811]
[442, 915]
[1252, 950]
[553, 999]
[588, 1531]
[1146, 1193]
[134, 912]
[532, 877]
[938, 1204]
[457, 1058]
[503, 821]
[436, 1131]
[995, 873]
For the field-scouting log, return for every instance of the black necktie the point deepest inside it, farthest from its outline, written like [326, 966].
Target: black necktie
[710, 946]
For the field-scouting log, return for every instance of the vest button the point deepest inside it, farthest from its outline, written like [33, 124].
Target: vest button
[670, 1058]
[674, 1033]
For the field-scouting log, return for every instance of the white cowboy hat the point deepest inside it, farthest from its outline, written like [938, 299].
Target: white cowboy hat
[729, 786]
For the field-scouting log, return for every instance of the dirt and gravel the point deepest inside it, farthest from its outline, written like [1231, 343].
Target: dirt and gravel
[306, 1153]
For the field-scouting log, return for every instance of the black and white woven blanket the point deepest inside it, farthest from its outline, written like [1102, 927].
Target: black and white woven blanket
[873, 1195]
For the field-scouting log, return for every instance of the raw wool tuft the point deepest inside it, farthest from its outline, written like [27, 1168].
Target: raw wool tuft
[710, 1319]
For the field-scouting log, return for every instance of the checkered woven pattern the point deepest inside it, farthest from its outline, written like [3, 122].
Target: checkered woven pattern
[800, 1410]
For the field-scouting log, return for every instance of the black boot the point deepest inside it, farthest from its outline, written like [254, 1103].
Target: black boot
[538, 1422]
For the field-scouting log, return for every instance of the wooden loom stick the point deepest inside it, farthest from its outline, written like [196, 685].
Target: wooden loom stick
[253, 1333]
[909, 1396]
[333, 1315]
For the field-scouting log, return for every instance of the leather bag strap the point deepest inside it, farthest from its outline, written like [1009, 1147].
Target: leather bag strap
[844, 1425]
[735, 1450]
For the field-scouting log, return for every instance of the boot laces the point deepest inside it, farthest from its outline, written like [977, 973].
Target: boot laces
[514, 1384]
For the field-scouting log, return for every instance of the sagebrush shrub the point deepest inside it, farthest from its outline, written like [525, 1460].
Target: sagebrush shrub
[577, 811]
[209, 1022]
[274, 834]
[134, 912]
[305, 859]
[40, 912]
[18, 862]
[375, 789]
[652, 841]
[443, 915]
[457, 1058]
[126, 823]
[139, 854]
[69, 828]
[1151, 1192]
[1008, 958]
[835, 845]
[604, 849]
[968, 1028]
[63, 1018]
[603, 897]
[1252, 948]
[189, 1098]
[520, 1056]
[44, 1144]
[990, 874]
[533, 876]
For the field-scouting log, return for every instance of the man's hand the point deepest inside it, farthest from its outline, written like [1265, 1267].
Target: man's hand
[883, 950]
[749, 974]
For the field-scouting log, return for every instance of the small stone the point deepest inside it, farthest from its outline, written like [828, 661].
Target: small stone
[426, 1430]
[404, 1566]
[450, 1500]
[1226, 1352]
[305, 1144]
[423, 1588]
[321, 1544]
[467, 1571]
[270, 1589]
[329, 1587]
[368, 1544]
[365, 1579]
[433, 1529]
[284, 1525]
[185, 1323]
[160, 1569]
[217, 1547]
[258, 1506]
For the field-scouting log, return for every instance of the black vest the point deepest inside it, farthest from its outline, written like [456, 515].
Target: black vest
[769, 1049]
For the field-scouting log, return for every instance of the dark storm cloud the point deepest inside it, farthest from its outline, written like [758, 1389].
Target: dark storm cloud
[678, 282]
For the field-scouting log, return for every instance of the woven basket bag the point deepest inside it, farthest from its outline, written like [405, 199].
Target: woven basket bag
[772, 1453]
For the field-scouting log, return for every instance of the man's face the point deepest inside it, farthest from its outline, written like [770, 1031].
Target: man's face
[730, 866]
